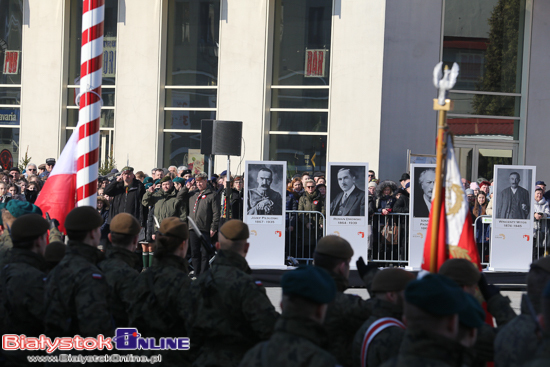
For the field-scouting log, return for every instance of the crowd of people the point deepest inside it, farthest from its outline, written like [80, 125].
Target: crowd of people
[93, 282]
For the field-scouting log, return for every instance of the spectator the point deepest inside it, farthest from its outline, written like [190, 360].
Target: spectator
[103, 209]
[31, 169]
[41, 169]
[480, 205]
[385, 199]
[322, 189]
[540, 228]
[402, 204]
[317, 176]
[372, 188]
[15, 173]
[321, 181]
[140, 176]
[127, 193]
[13, 191]
[5, 178]
[180, 170]
[174, 170]
[405, 179]
[483, 230]
[372, 176]
[311, 200]
[484, 186]
[186, 174]
[471, 198]
[156, 173]
[305, 176]
[474, 186]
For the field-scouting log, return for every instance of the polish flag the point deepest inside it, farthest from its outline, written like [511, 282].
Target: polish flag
[456, 234]
[58, 196]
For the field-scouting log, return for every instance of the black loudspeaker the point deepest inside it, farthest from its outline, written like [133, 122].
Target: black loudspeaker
[206, 136]
[227, 137]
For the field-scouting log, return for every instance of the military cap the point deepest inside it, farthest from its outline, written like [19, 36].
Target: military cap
[178, 180]
[235, 230]
[541, 183]
[186, 172]
[391, 280]
[334, 246]
[127, 169]
[224, 173]
[405, 176]
[436, 294]
[462, 271]
[148, 180]
[542, 263]
[125, 223]
[18, 208]
[55, 251]
[310, 282]
[189, 180]
[165, 179]
[473, 316]
[15, 169]
[173, 226]
[50, 161]
[83, 219]
[147, 185]
[157, 181]
[28, 227]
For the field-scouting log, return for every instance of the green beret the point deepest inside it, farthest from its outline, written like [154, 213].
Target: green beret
[83, 219]
[334, 246]
[165, 178]
[310, 282]
[173, 226]
[157, 181]
[28, 227]
[147, 185]
[473, 316]
[127, 168]
[125, 223]
[178, 180]
[542, 263]
[462, 271]
[235, 230]
[18, 208]
[436, 294]
[391, 280]
[55, 251]
[148, 180]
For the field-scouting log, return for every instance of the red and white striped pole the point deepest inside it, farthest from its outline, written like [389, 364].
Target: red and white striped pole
[91, 72]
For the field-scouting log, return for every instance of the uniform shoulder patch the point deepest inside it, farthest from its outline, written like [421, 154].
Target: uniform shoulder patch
[259, 283]
[97, 276]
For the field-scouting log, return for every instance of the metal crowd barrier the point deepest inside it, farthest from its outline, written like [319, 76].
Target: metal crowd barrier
[389, 238]
[303, 230]
[482, 235]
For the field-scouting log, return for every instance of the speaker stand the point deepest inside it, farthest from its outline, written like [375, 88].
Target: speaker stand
[228, 190]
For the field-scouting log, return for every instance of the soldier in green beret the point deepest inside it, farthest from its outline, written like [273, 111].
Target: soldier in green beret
[22, 283]
[431, 313]
[226, 311]
[76, 293]
[517, 342]
[119, 265]
[348, 312]
[388, 287]
[157, 303]
[299, 336]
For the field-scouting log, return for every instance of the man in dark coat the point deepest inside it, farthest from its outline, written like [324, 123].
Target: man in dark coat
[263, 199]
[514, 201]
[423, 193]
[127, 193]
[351, 201]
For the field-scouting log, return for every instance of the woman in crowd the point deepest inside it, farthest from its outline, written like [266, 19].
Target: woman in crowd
[13, 190]
[483, 230]
[540, 228]
[388, 226]
[293, 194]
[4, 197]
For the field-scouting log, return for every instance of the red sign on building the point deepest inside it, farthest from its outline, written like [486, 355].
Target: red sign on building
[11, 62]
[315, 63]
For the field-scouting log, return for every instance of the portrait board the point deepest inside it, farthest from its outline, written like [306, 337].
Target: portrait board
[422, 184]
[264, 202]
[513, 214]
[347, 205]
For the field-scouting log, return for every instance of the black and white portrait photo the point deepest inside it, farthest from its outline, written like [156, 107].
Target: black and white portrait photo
[347, 193]
[513, 193]
[265, 189]
[424, 180]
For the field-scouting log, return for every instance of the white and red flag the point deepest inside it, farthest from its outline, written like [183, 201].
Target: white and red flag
[455, 237]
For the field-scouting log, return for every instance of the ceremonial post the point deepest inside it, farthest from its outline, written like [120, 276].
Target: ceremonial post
[89, 100]
[443, 82]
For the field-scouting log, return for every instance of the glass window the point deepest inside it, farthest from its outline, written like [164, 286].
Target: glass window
[11, 23]
[11, 95]
[186, 120]
[299, 98]
[485, 104]
[301, 42]
[194, 98]
[301, 152]
[484, 127]
[107, 118]
[486, 39]
[299, 121]
[184, 148]
[193, 42]
[9, 140]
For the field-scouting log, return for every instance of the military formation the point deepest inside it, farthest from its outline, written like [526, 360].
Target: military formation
[452, 318]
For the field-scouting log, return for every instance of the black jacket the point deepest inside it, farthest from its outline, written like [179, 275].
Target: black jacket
[126, 202]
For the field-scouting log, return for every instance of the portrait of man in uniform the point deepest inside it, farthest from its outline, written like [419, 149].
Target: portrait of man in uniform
[263, 200]
[423, 190]
[513, 202]
[349, 200]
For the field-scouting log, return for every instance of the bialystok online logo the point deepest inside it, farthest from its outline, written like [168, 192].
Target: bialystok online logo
[125, 339]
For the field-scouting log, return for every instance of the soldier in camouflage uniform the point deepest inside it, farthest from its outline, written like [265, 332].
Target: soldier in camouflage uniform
[76, 291]
[468, 277]
[542, 358]
[156, 309]
[22, 283]
[387, 287]
[299, 336]
[348, 312]
[517, 342]
[119, 266]
[227, 312]
[432, 307]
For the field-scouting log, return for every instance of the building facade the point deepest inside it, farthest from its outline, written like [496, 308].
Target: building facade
[311, 80]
